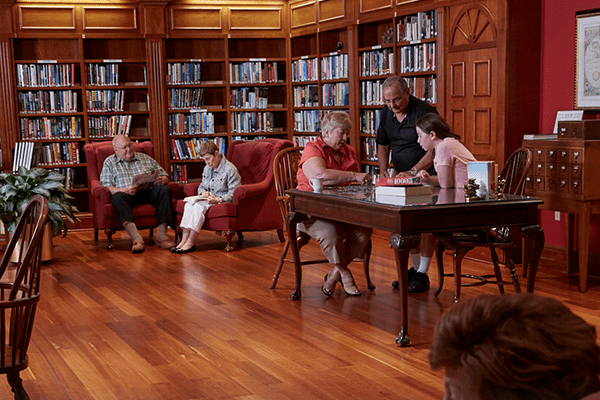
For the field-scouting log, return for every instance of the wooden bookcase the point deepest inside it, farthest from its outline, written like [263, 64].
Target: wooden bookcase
[146, 42]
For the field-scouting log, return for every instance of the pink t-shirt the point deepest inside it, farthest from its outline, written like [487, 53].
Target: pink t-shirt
[454, 154]
[318, 148]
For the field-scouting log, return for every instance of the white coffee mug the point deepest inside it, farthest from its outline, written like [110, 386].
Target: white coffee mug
[316, 184]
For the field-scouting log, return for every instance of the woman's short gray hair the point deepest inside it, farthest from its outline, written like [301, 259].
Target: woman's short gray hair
[208, 147]
[335, 119]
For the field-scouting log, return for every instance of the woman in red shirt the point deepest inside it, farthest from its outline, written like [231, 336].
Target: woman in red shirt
[330, 158]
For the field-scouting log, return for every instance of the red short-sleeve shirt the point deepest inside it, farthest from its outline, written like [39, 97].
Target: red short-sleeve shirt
[318, 148]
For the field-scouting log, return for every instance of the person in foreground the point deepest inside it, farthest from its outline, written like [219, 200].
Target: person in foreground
[450, 162]
[397, 134]
[330, 158]
[517, 346]
[220, 178]
[117, 176]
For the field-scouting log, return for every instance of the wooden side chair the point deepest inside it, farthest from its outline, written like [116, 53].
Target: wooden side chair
[285, 167]
[20, 292]
[505, 239]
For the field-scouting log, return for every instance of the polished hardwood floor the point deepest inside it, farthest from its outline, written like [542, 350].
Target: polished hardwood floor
[204, 325]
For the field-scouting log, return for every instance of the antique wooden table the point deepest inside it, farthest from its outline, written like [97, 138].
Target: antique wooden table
[446, 212]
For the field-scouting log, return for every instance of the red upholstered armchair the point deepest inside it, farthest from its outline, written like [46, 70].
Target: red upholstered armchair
[103, 213]
[254, 206]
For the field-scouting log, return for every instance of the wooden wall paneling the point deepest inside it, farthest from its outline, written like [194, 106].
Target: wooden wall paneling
[8, 111]
[303, 14]
[254, 18]
[195, 19]
[50, 17]
[368, 6]
[158, 99]
[109, 18]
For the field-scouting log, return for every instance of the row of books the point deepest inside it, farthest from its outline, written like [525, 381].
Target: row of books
[179, 173]
[189, 149]
[305, 70]
[306, 96]
[254, 97]
[254, 72]
[369, 149]
[423, 88]
[47, 101]
[371, 93]
[335, 94]
[244, 122]
[36, 75]
[60, 153]
[102, 74]
[307, 121]
[418, 58]
[334, 67]
[185, 99]
[303, 140]
[377, 62]
[101, 100]
[247, 138]
[423, 25]
[109, 126]
[50, 128]
[23, 156]
[195, 123]
[183, 73]
[69, 176]
[369, 121]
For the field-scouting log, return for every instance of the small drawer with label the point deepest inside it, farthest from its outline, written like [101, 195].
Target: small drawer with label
[576, 187]
[539, 183]
[563, 186]
[576, 156]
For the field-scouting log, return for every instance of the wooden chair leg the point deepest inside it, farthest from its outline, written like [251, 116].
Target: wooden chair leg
[459, 254]
[228, 235]
[109, 234]
[366, 261]
[16, 385]
[95, 235]
[280, 235]
[513, 275]
[439, 253]
[151, 232]
[240, 235]
[280, 264]
[497, 271]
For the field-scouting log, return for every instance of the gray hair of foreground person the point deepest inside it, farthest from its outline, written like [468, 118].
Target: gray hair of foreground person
[518, 346]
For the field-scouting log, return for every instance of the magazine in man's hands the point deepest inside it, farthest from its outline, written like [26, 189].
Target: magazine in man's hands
[146, 180]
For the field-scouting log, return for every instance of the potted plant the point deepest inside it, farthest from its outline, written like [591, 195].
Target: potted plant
[17, 190]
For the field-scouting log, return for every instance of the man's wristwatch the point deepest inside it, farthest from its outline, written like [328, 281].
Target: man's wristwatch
[413, 171]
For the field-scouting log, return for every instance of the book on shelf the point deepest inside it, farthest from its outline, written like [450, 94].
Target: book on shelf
[541, 136]
[403, 191]
[398, 181]
[484, 173]
[404, 200]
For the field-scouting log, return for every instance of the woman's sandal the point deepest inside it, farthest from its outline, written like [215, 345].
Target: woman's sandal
[329, 287]
[350, 287]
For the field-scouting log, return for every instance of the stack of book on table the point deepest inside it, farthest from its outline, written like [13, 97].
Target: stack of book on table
[402, 191]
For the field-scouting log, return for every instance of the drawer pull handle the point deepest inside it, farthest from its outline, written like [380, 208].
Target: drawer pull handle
[575, 154]
[551, 167]
[563, 183]
[563, 168]
[575, 184]
[551, 152]
[539, 180]
[563, 154]
[539, 152]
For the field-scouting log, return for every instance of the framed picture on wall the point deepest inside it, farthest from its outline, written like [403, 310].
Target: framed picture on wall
[587, 60]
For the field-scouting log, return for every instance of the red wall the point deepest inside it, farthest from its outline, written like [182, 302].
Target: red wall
[557, 88]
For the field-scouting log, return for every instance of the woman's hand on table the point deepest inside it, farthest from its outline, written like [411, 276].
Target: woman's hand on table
[362, 178]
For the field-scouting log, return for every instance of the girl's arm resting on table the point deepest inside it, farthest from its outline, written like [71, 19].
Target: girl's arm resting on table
[315, 167]
[444, 178]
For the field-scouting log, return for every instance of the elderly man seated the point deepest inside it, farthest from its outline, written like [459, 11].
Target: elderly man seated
[117, 176]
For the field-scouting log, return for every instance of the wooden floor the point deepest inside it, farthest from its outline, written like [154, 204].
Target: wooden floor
[113, 325]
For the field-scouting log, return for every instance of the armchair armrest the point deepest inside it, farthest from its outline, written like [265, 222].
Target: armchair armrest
[190, 189]
[100, 193]
[250, 190]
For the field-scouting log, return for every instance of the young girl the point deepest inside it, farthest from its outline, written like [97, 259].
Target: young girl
[450, 155]
[220, 178]
[450, 159]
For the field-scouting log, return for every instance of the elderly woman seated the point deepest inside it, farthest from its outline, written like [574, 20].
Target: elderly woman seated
[330, 158]
[220, 178]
